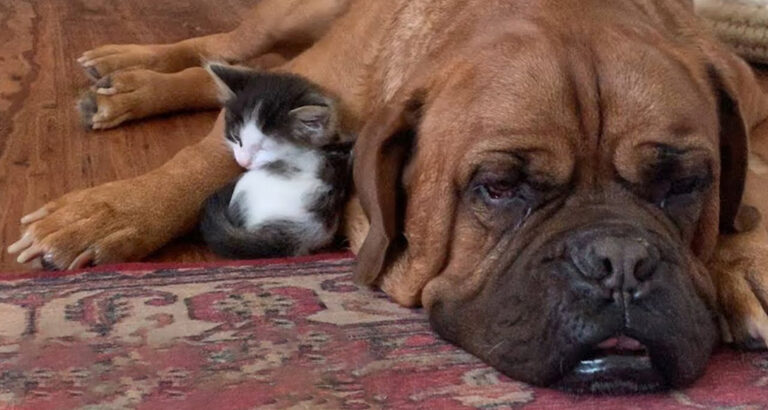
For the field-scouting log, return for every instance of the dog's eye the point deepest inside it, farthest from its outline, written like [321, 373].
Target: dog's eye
[506, 197]
[503, 201]
[666, 191]
[506, 194]
[499, 189]
[686, 185]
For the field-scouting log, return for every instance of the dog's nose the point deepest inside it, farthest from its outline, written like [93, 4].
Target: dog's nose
[619, 264]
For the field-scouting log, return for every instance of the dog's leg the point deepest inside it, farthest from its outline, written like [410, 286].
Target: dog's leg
[133, 94]
[269, 22]
[128, 219]
[740, 265]
[740, 271]
[139, 93]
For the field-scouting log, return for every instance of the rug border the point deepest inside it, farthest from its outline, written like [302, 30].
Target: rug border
[137, 266]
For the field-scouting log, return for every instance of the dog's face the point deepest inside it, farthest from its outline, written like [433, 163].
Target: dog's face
[552, 207]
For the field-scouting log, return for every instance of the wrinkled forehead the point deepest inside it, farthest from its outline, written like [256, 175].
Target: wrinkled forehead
[580, 94]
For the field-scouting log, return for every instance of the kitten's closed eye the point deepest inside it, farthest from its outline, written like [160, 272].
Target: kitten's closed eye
[232, 132]
[235, 138]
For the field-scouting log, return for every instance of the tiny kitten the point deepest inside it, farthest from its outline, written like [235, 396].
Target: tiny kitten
[283, 130]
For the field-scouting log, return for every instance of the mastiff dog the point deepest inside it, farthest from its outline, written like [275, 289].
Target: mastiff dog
[572, 189]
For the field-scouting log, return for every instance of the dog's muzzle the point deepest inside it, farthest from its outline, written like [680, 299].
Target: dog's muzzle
[602, 308]
[624, 270]
[619, 266]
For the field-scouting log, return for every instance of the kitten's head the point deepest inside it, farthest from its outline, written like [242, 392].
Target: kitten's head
[265, 111]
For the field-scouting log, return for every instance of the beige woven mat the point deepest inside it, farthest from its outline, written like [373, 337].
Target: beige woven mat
[741, 23]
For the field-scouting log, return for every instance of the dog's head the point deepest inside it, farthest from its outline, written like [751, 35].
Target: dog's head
[552, 200]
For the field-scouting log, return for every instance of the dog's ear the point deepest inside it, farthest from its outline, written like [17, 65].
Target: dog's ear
[734, 150]
[743, 108]
[229, 79]
[381, 153]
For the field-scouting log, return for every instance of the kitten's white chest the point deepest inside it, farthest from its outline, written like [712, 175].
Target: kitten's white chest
[263, 196]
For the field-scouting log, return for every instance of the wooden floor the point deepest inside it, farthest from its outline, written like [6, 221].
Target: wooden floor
[44, 152]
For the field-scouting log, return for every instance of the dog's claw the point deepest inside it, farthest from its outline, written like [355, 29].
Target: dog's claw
[47, 263]
[87, 107]
[753, 343]
[106, 91]
[34, 216]
[725, 331]
[83, 260]
[23, 243]
[93, 73]
[104, 82]
[32, 252]
[758, 330]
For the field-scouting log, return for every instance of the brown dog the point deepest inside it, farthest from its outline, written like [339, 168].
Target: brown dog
[548, 178]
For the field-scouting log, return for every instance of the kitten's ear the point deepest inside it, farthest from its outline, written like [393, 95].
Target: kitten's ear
[229, 79]
[314, 124]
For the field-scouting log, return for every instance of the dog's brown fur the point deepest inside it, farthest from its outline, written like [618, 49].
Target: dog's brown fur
[378, 57]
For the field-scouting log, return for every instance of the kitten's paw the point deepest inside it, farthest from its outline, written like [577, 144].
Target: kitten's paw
[88, 227]
[119, 97]
[108, 59]
[740, 270]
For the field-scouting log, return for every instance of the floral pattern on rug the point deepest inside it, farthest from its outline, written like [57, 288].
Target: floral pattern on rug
[284, 334]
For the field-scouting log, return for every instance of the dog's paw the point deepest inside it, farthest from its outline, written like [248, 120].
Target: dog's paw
[740, 272]
[88, 227]
[119, 97]
[108, 59]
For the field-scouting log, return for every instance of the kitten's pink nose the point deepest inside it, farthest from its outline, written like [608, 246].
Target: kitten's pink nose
[245, 163]
[243, 159]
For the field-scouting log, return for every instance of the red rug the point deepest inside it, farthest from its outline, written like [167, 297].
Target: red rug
[275, 334]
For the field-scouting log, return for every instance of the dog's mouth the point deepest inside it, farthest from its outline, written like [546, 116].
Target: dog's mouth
[617, 365]
[619, 346]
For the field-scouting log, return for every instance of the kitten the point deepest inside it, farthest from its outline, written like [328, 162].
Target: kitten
[283, 130]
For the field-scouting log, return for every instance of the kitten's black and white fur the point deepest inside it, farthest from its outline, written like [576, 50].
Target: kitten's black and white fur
[283, 130]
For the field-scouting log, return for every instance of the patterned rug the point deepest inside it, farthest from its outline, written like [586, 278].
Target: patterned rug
[272, 334]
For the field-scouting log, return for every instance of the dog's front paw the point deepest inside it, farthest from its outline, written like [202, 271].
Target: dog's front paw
[88, 227]
[108, 59]
[740, 272]
[120, 97]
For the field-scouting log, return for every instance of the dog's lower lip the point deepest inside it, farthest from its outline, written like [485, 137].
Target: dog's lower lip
[613, 374]
[617, 365]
